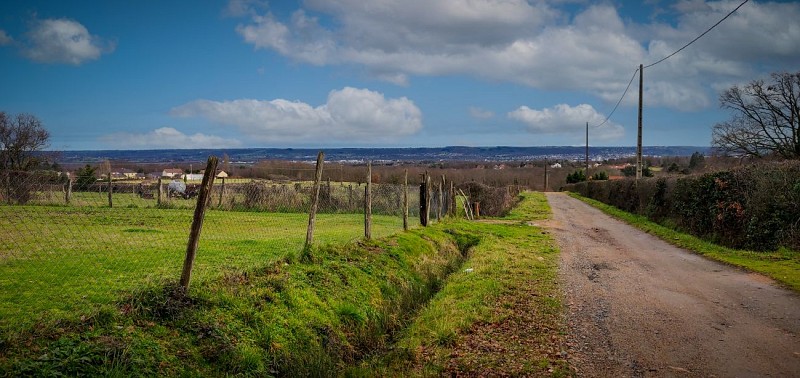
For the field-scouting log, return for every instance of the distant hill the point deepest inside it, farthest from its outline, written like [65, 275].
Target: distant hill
[356, 155]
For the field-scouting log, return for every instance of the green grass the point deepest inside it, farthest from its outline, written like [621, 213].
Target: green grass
[509, 260]
[334, 309]
[782, 265]
[304, 316]
[64, 262]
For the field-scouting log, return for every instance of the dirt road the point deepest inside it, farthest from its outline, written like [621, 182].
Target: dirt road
[640, 307]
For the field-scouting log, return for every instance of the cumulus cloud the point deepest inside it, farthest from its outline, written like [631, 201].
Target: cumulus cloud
[349, 114]
[5, 39]
[476, 112]
[542, 44]
[168, 137]
[63, 41]
[568, 120]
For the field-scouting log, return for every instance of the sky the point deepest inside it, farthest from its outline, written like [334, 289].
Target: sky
[382, 73]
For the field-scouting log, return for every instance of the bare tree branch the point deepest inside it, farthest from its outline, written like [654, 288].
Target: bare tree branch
[766, 118]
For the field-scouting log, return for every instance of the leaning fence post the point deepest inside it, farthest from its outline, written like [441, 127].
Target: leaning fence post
[405, 200]
[312, 216]
[368, 204]
[197, 224]
[110, 201]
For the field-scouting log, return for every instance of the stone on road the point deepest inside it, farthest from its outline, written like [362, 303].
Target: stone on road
[638, 306]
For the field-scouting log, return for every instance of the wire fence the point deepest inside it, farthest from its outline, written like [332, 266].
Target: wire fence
[69, 245]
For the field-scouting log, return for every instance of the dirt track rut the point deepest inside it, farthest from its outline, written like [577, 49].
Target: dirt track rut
[640, 307]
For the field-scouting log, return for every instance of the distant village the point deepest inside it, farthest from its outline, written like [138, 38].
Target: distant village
[169, 173]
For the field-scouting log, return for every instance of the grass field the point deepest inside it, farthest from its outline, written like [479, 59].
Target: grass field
[59, 262]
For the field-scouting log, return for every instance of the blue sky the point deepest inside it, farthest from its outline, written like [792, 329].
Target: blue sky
[383, 73]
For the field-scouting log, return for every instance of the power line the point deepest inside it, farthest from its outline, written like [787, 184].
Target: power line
[667, 57]
[699, 36]
[620, 100]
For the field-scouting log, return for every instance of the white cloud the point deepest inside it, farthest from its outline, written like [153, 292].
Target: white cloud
[349, 114]
[63, 41]
[5, 39]
[568, 120]
[542, 44]
[476, 112]
[168, 137]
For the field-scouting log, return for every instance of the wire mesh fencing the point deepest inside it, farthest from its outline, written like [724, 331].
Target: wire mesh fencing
[70, 244]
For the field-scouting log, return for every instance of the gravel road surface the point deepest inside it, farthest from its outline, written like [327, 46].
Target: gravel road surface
[640, 307]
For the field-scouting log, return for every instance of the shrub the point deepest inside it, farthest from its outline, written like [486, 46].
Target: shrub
[755, 207]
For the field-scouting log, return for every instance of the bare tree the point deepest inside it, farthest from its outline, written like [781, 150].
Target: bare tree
[21, 136]
[766, 118]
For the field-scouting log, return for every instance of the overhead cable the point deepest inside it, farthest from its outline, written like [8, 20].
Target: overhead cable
[698, 37]
[620, 99]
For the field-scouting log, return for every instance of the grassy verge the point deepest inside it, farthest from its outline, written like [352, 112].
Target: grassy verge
[782, 265]
[499, 315]
[304, 316]
[360, 308]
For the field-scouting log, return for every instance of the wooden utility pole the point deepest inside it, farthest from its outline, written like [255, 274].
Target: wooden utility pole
[312, 215]
[587, 151]
[368, 204]
[405, 200]
[546, 183]
[639, 137]
[203, 199]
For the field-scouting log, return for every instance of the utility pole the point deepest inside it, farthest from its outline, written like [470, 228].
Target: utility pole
[639, 138]
[587, 151]
[546, 184]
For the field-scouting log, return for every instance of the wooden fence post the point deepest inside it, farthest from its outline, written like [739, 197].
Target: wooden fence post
[160, 192]
[8, 186]
[68, 192]
[312, 216]
[110, 201]
[203, 200]
[221, 193]
[428, 195]
[442, 197]
[368, 204]
[405, 200]
[423, 203]
[350, 197]
[452, 208]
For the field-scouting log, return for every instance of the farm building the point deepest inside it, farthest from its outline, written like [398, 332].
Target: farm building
[172, 173]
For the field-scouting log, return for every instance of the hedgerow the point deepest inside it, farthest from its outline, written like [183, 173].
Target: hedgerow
[752, 207]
